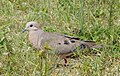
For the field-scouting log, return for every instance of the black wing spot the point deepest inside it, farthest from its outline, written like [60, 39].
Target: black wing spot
[59, 43]
[83, 46]
[66, 42]
[72, 41]
[72, 37]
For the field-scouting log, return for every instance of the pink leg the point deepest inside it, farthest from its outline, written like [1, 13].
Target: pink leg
[65, 61]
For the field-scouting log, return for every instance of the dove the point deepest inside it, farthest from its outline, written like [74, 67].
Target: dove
[63, 45]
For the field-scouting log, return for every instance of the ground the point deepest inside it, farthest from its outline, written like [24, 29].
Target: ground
[97, 20]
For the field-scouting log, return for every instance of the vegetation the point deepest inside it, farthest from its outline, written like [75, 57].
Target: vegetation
[97, 20]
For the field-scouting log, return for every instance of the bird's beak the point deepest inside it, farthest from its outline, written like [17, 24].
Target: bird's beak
[24, 30]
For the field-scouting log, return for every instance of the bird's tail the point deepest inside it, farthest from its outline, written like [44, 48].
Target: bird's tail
[90, 45]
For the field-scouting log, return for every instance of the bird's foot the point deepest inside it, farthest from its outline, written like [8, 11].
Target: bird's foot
[66, 65]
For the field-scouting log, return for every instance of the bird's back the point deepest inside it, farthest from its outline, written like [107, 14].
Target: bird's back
[59, 42]
[62, 44]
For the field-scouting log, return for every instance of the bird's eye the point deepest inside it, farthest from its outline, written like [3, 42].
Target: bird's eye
[31, 25]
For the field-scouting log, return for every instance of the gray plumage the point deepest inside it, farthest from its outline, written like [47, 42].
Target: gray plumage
[62, 44]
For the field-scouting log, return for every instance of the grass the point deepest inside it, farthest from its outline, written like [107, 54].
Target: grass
[97, 20]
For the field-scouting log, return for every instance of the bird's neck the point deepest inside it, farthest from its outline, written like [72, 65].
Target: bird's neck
[35, 31]
[34, 37]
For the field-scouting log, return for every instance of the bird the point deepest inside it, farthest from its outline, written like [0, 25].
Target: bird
[63, 45]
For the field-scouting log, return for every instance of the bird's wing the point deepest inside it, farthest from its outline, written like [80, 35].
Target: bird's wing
[64, 44]
[61, 43]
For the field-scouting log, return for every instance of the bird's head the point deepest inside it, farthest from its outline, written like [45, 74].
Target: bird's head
[31, 26]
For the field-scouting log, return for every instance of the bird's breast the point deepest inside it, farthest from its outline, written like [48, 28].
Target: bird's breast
[34, 38]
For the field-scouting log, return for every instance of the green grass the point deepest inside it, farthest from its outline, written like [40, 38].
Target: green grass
[97, 20]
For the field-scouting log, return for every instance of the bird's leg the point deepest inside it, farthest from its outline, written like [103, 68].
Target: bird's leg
[65, 60]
